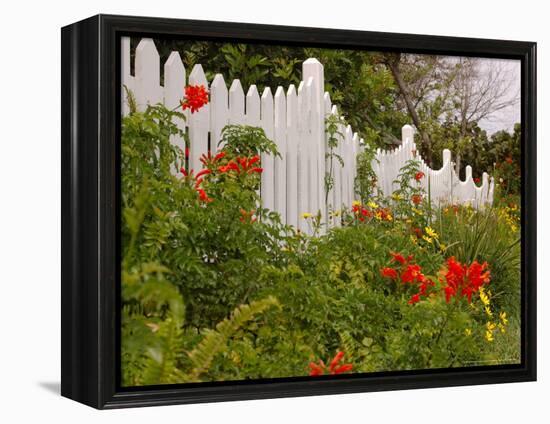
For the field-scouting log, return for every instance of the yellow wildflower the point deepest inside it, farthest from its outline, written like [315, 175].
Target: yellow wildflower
[488, 311]
[417, 211]
[396, 196]
[442, 247]
[356, 203]
[372, 205]
[430, 231]
[502, 328]
[503, 318]
[428, 239]
[491, 326]
[468, 332]
[489, 336]
[484, 298]
[413, 239]
[389, 217]
[306, 215]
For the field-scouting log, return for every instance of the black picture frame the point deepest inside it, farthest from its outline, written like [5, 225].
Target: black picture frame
[90, 111]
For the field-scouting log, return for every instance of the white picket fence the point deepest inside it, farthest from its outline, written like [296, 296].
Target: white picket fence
[295, 121]
[443, 184]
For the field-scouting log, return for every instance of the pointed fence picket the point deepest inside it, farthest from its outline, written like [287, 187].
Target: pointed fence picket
[293, 183]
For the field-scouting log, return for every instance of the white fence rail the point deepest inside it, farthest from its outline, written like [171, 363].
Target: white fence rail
[295, 120]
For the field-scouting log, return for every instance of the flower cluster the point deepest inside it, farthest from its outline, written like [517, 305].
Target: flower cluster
[408, 273]
[196, 96]
[242, 165]
[463, 280]
[360, 212]
[335, 366]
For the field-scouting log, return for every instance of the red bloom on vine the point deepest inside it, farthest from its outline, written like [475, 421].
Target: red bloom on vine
[389, 273]
[243, 164]
[196, 96]
[203, 196]
[419, 175]
[335, 366]
[416, 199]
[477, 180]
[207, 159]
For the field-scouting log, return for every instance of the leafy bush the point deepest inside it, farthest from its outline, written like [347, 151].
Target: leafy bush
[215, 288]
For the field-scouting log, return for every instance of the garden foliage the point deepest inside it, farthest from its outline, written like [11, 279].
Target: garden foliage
[215, 288]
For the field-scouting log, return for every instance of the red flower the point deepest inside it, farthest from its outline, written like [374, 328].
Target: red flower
[463, 280]
[196, 96]
[477, 180]
[203, 172]
[183, 171]
[419, 175]
[342, 369]
[415, 298]
[412, 273]
[509, 160]
[316, 369]
[243, 164]
[398, 257]
[389, 272]
[335, 367]
[416, 199]
[203, 196]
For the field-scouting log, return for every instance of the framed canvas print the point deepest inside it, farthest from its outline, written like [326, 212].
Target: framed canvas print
[255, 211]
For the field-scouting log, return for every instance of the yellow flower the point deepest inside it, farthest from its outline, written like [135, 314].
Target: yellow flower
[409, 221]
[488, 311]
[502, 328]
[378, 216]
[484, 298]
[356, 203]
[306, 215]
[372, 205]
[413, 239]
[490, 326]
[489, 336]
[417, 211]
[389, 217]
[503, 318]
[428, 239]
[396, 196]
[430, 231]
[468, 332]
[442, 247]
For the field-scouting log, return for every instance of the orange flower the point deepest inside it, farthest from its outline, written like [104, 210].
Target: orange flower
[416, 199]
[196, 96]
[419, 175]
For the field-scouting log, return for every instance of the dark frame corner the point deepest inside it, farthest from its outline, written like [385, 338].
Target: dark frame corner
[90, 152]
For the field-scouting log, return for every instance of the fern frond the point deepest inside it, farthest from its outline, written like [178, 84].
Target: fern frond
[216, 340]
